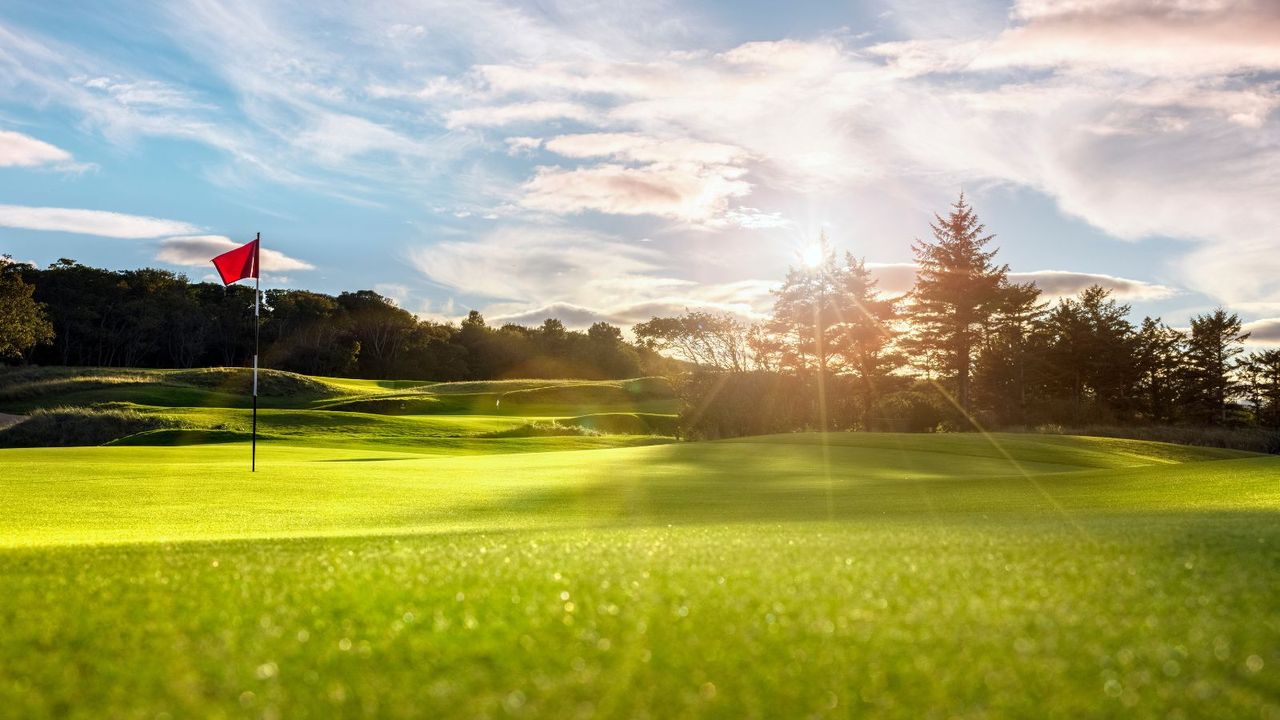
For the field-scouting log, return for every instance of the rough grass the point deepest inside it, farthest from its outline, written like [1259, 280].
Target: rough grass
[69, 426]
[540, 429]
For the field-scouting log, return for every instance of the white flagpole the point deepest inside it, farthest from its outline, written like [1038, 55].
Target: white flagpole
[257, 330]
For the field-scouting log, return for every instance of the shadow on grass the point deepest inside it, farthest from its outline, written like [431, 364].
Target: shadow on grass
[726, 483]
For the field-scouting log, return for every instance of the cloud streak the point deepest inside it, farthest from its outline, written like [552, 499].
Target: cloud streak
[18, 150]
[897, 278]
[90, 222]
[199, 251]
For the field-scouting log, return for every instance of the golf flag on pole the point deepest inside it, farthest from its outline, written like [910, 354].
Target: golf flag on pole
[239, 264]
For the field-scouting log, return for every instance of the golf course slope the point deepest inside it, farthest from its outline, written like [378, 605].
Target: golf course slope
[401, 558]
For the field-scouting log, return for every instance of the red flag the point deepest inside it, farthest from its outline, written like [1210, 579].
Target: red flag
[238, 264]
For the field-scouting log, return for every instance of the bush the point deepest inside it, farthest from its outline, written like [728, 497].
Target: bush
[910, 411]
[723, 404]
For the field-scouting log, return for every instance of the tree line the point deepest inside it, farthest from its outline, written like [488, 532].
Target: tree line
[72, 314]
[964, 348]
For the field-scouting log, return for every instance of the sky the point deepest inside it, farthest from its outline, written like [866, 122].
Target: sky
[600, 160]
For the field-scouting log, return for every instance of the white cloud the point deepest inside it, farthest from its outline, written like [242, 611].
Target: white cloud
[531, 263]
[199, 251]
[522, 145]
[537, 111]
[754, 219]
[90, 222]
[1063, 283]
[1263, 332]
[1152, 36]
[897, 278]
[691, 193]
[639, 148]
[529, 274]
[397, 293]
[18, 150]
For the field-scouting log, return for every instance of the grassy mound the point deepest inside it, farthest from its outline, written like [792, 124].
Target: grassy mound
[65, 427]
[271, 383]
[626, 423]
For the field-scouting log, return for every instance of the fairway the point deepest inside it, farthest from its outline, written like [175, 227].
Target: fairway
[414, 565]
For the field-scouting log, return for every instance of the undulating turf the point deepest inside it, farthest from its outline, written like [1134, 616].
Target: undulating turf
[406, 566]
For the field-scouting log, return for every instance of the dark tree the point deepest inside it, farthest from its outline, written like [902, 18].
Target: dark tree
[1212, 382]
[1090, 354]
[1262, 372]
[958, 290]
[23, 323]
[1158, 361]
[1007, 370]
[702, 338]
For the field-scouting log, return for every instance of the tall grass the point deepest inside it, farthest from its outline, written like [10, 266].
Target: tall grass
[76, 426]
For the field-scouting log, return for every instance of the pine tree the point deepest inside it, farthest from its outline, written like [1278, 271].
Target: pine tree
[1212, 383]
[1005, 372]
[1158, 361]
[1090, 354]
[957, 292]
[1262, 372]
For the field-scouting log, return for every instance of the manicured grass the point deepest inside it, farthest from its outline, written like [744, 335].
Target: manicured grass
[1123, 615]
[405, 566]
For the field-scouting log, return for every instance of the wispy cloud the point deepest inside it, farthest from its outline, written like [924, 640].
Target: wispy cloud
[895, 278]
[199, 250]
[537, 111]
[90, 222]
[683, 192]
[18, 150]
[523, 273]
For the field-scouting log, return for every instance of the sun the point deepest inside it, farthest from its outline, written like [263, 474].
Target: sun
[812, 256]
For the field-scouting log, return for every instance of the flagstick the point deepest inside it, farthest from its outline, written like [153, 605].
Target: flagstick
[257, 330]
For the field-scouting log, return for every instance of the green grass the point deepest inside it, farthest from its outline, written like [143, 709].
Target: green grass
[406, 566]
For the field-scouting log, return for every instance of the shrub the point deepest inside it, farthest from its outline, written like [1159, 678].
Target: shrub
[909, 411]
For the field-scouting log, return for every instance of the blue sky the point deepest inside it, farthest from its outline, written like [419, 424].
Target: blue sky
[614, 160]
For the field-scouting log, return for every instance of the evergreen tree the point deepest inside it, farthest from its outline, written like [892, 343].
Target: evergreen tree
[863, 336]
[1006, 369]
[1090, 355]
[1158, 362]
[1216, 341]
[958, 290]
[1262, 371]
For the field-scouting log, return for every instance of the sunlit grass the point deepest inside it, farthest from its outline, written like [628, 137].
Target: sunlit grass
[408, 566]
